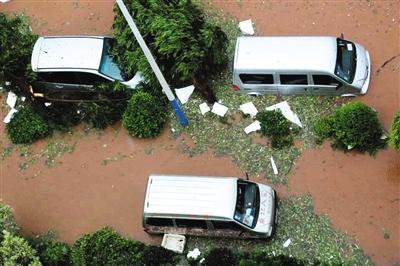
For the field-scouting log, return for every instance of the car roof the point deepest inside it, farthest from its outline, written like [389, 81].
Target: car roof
[190, 196]
[67, 52]
[287, 53]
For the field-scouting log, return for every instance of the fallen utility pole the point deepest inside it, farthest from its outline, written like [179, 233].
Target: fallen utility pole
[165, 87]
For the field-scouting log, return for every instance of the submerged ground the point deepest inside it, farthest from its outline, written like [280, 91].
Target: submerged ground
[75, 183]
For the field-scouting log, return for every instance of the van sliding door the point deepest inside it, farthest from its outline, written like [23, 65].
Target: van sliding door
[293, 84]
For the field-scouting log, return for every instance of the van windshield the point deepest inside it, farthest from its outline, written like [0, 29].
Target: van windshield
[247, 203]
[107, 66]
[346, 60]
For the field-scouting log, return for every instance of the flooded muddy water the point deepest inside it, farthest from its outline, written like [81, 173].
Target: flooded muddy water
[102, 181]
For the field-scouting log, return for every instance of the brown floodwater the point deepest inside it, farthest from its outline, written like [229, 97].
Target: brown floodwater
[360, 194]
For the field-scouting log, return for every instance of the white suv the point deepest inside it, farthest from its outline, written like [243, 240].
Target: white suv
[73, 65]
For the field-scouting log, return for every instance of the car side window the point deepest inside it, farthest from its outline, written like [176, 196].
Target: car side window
[90, 78]
[325, 80]
[288, 79]
[58, 77]
[159, 221]
[191, 223]
[226, 225]
[257, 78]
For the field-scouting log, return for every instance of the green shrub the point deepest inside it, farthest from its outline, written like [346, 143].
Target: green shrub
[144, 117]
[220, 257]
[262, 258]
[106, 247]
[155, 256]
[15, 250]
[394, 133]
[26, 126]
[324, 129]
[7, 221]
[16, 44]
[275, 126]
[50, 251]
[357, 126]
[188, 49]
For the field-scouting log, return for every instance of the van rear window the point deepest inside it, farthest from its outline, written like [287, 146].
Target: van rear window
[257, 78]
[159, 221]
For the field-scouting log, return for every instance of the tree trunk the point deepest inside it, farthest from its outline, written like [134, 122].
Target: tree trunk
[201, 83]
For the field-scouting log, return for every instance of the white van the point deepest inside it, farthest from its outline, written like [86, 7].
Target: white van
[300, 66]
[208, 206]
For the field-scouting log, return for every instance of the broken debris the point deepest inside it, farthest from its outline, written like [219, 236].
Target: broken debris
[174, 242]
[256, 125]
[219, 109]
[274, 168]
[204, 108]
[183, 94]
[193, 254]
[10, 115]
[286, 112]
[11, 99]
[287, 243]
[246, 27]
[249, 109]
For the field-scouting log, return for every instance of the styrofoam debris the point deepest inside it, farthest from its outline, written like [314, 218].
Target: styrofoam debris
[286, 111]
[219, 109]
[10, 115]
[11, 99]
[7, 83]
[349, 147]
[78, 111]
[202, 260]
[23, 98]
[136, 80]
[249, 109]
[256, 125]
[193, 254]
[287, 243]
[183, 94]
[274, 168]
[173, 130]
[1, 88]
[4, 1]
[246, 27]
[174, 242]
[204, 108]
[48, 104]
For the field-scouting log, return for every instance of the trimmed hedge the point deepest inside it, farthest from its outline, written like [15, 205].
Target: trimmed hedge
[144, 117]
[394, 132]
[156, 255]
[353, 126]
[26, 126]
[220, 257]
[50, 251]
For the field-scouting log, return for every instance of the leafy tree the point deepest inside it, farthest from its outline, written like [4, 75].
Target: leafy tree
[143, 117]
[394, 138]
[15, 250]
[50, 251]
[7, 221]
[106, 247]
[156, 255]
[16, 44]
[186, 47]
[220, 257]
[26, 126]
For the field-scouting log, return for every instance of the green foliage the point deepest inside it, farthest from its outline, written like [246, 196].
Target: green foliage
[262, 258]
[394, 137]
[323, 129]
[220, 257]
[155, 256]
[275, 126]
[144, 117]
[7, 221]
[106, 247]
[26, 126]
[353, 126]
[16, 44]
[15, 250]
[50, 251]
[184, 44]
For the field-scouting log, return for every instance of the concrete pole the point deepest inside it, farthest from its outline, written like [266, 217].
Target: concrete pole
[165, 87]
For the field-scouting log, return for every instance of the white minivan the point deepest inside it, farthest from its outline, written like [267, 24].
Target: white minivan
[208, 206]
[300, 66]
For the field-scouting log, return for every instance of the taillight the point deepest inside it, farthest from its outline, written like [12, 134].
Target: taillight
[235, 88]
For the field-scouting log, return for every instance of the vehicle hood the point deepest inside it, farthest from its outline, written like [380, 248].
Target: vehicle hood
[363, 67]
[266, 212]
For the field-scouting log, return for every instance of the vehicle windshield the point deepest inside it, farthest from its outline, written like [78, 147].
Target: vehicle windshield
[247, 203]
[107, 66]
[346, 60]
